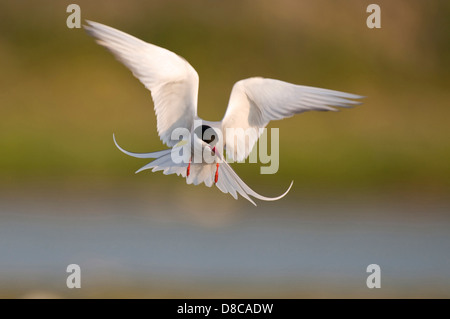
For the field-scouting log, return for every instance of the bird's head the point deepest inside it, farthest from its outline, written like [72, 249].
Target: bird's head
[207, 134]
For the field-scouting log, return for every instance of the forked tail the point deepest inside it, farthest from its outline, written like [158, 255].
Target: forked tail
[224, 177]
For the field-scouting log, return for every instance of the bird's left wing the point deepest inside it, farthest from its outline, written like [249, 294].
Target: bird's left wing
[172, 81]
[254, 102]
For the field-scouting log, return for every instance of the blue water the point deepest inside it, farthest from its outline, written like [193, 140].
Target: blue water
[287, 245]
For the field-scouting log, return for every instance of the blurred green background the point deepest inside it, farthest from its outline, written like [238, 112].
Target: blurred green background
[62, 96]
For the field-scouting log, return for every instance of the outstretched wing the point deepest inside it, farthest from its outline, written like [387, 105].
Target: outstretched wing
[173, 82]
[254, 102]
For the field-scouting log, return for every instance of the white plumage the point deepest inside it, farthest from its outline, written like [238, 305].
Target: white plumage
[173, 83]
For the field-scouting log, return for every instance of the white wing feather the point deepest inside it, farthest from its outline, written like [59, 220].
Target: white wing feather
[254, 102]
[172, 81]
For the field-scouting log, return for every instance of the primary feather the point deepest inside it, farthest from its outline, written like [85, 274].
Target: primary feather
[254, 102]
[173, 82]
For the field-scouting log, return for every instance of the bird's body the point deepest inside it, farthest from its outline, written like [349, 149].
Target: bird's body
[196, 147]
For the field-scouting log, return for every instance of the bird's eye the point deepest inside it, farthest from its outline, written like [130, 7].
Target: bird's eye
[206, 134]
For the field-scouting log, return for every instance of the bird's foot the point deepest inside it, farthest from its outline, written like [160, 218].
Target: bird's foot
[189, 168]
[216, 177]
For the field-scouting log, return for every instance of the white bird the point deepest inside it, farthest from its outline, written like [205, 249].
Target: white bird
[173, 83]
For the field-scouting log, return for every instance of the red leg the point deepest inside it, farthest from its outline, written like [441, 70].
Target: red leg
[189, 168]
[216, 178]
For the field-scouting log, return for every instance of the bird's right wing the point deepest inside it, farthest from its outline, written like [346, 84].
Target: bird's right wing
[254, 102]
[172, 81]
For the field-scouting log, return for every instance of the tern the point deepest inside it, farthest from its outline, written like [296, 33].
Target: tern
[173, 84]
